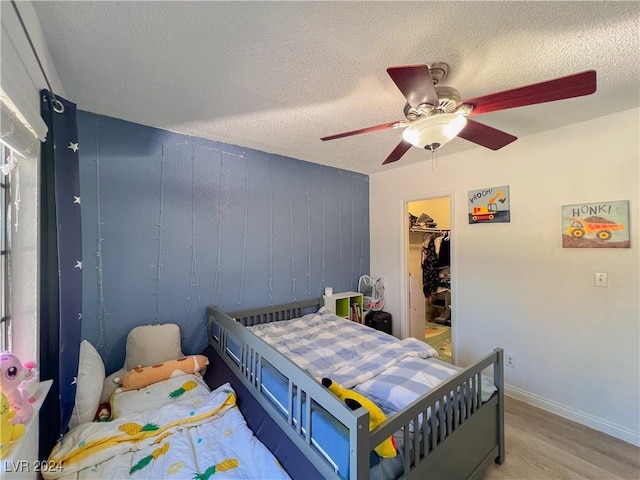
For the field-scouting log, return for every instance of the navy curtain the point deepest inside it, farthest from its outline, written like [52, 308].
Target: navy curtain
[60, 266]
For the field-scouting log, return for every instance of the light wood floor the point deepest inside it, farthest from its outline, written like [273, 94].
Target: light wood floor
[541, 446]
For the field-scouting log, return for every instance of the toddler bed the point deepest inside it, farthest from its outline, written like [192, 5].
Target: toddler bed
[460, 418]
[166, 422]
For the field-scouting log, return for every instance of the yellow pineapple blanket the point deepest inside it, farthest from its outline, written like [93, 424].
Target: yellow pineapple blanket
[193, 438]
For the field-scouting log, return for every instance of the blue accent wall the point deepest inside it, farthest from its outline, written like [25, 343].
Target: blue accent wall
[173, 223]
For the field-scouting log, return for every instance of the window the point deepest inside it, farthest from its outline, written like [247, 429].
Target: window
[5, 254]
[19, 299]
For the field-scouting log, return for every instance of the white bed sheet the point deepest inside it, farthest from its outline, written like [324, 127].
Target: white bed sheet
[157, 395]
[191, 439]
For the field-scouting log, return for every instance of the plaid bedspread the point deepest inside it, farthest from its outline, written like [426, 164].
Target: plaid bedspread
[326, 345]
[411, 378]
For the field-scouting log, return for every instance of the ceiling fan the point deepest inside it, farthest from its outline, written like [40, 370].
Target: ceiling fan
[436, 114]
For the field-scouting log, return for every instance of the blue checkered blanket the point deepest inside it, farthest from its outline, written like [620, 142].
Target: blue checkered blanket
[411, 378]
[349, 353]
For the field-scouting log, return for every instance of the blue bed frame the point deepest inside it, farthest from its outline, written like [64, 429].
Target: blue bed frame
[470, 437]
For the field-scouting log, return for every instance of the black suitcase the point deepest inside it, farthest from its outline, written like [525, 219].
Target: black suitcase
[379, 320]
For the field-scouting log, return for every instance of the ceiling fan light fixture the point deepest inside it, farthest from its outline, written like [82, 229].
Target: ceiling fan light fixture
[434, 131]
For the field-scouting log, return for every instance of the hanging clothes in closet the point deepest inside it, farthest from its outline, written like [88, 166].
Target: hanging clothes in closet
[429, 265]
[444, 262]
[436, 259]
[444, 252]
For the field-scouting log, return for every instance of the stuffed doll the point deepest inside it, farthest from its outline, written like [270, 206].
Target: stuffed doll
[140, 377]
[103, 414]
[354, 400]
[8, 431]
[12, 374]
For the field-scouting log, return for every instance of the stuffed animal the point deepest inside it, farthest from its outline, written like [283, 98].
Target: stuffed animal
[140, 377]
[12, 374]
[354, 400]
[103, 414]
[8, 431]
[30, 384]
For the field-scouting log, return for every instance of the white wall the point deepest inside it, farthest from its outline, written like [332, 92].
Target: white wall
[514, 286]
[21, 77]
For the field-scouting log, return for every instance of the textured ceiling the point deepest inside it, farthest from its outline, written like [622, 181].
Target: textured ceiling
[276, 76]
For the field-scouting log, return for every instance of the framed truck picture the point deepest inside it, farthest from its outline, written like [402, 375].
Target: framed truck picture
[489, 205]
[596, 225]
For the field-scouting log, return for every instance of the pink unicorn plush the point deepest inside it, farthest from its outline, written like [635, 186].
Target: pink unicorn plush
[12, 374]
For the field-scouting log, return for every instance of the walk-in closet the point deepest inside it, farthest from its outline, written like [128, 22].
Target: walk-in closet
[429, 257]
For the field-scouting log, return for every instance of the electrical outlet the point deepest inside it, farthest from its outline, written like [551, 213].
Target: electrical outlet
[600, 279]
[510, 360]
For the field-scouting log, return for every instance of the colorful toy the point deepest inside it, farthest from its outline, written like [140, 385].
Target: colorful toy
[12, 374]
[354, 400]
[30, 384]
[8, 431]
[140, 377]
[103, 414]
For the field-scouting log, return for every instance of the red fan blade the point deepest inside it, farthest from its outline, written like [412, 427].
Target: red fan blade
[402, 148]
[377, 128]
[415, 83]
[485, 135]
[576, 85]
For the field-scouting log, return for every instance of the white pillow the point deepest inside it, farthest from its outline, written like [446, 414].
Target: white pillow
[146, 345]
[89, 385]
[151, 344]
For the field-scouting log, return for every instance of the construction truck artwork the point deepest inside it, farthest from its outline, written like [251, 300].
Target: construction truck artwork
[488, 211]
[489, 205]
[596, 225]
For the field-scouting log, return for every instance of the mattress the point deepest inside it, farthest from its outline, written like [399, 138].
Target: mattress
[188, 437]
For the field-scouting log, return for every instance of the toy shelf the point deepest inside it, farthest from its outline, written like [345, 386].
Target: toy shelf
[346, 305]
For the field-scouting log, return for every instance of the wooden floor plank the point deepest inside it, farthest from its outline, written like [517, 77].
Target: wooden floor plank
[544, 446]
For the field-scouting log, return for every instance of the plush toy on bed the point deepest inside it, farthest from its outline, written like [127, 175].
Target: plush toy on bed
[140, 377]
[354, 400]
[12, 374]
[8, 431]
[103, 414]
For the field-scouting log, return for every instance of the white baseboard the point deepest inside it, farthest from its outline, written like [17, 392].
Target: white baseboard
[582, 418]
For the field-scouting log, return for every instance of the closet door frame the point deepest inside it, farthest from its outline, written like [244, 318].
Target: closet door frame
[405, 327]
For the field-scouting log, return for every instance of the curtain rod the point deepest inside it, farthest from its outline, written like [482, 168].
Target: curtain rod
[57, 105]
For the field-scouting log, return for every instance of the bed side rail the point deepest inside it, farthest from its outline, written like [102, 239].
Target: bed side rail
[454, 408]
[277, 313]
[253, 351]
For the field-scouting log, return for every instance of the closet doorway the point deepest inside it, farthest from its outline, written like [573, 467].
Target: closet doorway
[429, 269]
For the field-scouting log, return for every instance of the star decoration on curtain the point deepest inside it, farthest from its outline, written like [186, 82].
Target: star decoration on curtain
[62, 154]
